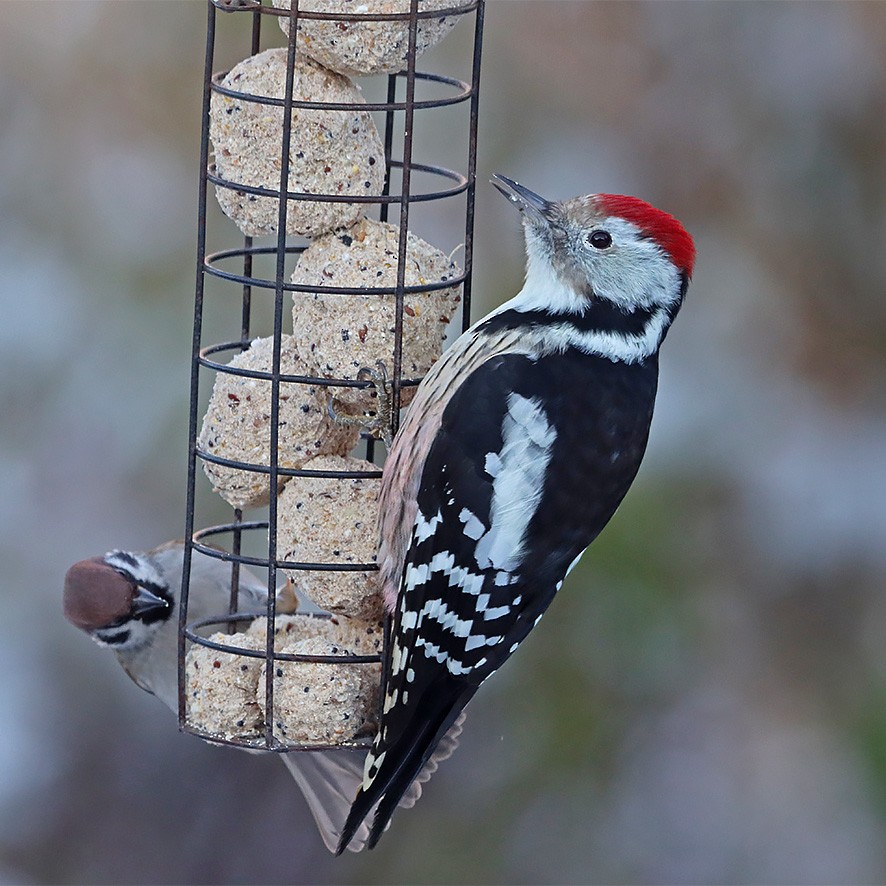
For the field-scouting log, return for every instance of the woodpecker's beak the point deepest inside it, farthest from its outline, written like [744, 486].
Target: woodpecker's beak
[536, 208]
[146, 601]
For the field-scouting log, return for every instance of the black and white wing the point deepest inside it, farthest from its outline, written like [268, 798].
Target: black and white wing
[511, 493]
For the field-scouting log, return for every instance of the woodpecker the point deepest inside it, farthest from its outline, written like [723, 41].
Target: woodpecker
[128, 601]
[516, 451]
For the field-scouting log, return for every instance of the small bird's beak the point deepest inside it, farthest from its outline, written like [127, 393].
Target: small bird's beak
[536, 208]
[146, 601]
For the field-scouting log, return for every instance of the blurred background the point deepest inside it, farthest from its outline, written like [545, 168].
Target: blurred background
[706, 700]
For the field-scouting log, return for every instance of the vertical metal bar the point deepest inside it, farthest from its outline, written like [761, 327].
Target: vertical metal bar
[245, 324]
[408, 127]
[195, 367]
[470, 194]
[236, 543]
[275, 372]
[245, 315]
[256, 31]
[389, 143]
[246, 307]
[236, 548]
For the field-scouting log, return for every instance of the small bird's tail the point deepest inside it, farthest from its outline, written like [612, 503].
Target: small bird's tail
[330, 780]
[393, 766]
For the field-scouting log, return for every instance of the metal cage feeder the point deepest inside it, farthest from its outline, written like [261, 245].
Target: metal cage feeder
[235, 268]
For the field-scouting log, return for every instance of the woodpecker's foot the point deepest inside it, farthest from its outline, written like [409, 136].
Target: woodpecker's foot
[377, 423]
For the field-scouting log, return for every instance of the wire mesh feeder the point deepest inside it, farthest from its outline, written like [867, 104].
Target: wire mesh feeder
[311, 223]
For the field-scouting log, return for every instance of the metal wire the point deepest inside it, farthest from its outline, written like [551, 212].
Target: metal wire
[235, 266]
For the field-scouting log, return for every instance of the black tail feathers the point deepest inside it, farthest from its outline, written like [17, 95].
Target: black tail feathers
[403, 758]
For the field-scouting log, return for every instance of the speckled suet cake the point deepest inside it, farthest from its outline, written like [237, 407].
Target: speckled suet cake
[237, 424]
[361, 637]
[340, 334]
[369, 47]
[318, 703]
[328, 520]
[221, 688]
[331, 152]
[225, 691]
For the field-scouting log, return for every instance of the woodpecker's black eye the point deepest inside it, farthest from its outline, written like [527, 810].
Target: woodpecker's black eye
[600, 239]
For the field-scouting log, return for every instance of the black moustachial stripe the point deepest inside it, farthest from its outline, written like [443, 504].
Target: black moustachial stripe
[598, 316]
[113, 636]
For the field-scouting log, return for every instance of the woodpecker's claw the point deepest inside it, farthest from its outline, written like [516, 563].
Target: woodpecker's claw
[379, 423]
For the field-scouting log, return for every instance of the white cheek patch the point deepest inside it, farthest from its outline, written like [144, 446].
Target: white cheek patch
[635, 273]
[622, 348]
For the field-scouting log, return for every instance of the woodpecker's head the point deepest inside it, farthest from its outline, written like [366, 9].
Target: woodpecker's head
[603, 247]
[120, 599]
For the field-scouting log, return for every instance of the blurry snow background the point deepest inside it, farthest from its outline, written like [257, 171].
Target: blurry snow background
[706, 700]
